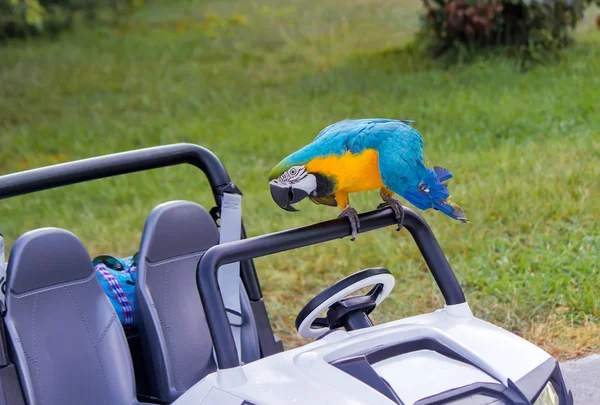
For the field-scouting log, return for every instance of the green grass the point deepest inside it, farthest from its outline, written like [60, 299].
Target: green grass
[253, 82]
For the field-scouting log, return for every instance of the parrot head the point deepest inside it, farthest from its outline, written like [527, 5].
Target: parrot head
[291, 185]
[291, 182]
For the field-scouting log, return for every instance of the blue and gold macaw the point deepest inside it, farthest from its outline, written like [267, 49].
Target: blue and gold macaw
[359, 155]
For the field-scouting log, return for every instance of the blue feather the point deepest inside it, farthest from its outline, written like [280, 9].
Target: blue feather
[354, 136]
[450, 209]
[443, 207]
[436, 190]
[442, 173]
[419, 200]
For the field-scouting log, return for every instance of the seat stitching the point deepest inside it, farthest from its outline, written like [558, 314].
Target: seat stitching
[35, 363]
[106, 329]
[53, 286]
[28, 357]
[176, 258]
[19, 345]
[108, 399]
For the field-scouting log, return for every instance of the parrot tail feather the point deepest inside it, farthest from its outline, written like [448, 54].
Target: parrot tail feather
[432, 183]
[433, 193]
[451, 209]
[442, 173]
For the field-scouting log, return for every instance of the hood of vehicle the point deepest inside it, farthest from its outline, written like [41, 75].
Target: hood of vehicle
[424, 373]
[410, 359]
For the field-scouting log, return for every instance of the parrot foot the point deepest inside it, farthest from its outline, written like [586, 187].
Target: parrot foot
[395, 205]
[352, 216]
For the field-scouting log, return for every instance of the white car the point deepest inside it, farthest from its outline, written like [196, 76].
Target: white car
[200, 333]
[444, 357]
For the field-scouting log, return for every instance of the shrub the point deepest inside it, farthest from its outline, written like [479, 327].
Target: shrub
[532, 28]
[23, 18]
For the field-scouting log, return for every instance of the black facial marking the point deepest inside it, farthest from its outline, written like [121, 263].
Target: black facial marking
[325, 185]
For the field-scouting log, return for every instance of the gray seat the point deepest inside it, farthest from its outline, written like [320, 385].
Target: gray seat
[169, 315]
[64, 334]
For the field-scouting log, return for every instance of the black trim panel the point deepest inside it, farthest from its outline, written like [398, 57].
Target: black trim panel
[359, 368]
[487, 389]
[549, 371]
[532, 384]
[414, 346]
[565, 395]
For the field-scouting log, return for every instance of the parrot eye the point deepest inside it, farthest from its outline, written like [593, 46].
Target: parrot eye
[293, 171]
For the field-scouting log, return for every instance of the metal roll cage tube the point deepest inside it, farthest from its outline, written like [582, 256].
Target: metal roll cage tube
[264, 245]
[95, 168]
[83, 170]
[63, 174]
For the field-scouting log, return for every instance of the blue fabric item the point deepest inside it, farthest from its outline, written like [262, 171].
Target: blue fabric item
[118, 278]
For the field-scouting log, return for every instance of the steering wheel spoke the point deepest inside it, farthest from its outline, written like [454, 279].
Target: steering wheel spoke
[321, 322]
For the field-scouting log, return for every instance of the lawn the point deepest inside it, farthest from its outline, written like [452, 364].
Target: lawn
[254, 82]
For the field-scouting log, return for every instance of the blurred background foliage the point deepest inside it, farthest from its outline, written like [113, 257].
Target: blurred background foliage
[254, 80]
[532, 29]
[26, 18]
[457, 30]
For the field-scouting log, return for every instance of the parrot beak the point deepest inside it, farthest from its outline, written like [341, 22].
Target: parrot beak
[285, 194]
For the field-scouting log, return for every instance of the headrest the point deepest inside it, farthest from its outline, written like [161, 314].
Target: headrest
[46, 257]
[177, 228]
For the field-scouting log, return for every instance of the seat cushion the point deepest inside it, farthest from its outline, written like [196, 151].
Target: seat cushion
[169, 312]
[65, 337]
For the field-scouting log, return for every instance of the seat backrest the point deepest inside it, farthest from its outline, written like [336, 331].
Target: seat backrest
[170, 318]
[64, 335]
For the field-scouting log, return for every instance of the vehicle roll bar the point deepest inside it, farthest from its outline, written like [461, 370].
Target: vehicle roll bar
[264, 245]
[79, 171]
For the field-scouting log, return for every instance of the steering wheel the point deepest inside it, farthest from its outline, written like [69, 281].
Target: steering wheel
[349, 312]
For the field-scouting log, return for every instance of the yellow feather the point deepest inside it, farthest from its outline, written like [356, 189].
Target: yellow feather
[352, 172]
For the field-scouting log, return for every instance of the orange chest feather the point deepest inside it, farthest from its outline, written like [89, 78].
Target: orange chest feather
[352, 172]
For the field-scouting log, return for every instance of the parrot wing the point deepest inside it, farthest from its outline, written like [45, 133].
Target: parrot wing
[352, 127]
[401, 160]
[403, 171]
[357, 135]
[348, 135]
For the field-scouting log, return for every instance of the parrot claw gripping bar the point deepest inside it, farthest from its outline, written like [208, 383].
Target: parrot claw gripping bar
[352, 216]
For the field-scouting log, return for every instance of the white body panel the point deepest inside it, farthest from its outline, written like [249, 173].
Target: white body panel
[303, 376]
[433, 372]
